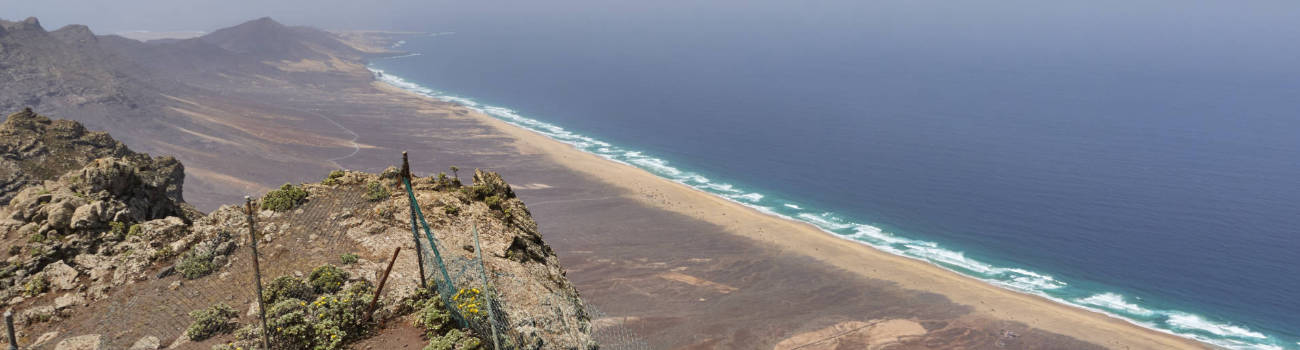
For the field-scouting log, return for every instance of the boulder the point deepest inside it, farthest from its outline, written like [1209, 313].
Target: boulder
[147, 342]
[61, 276]
[84, 342]
[86, 216]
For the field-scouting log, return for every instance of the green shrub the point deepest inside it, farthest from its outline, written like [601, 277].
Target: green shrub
[286, 287]
[285, 198]
[117, 229]
[326, 323]
[37, 285]
[288, 324]
[348, 258]
[333, 178]
[36, 238]
[433, 318]
[453, 340]
[195, 265]
[211, 321]
[135, 230]
[493, 202]
[327, 279]
[162, 254]
[451, 210]
[376, 191]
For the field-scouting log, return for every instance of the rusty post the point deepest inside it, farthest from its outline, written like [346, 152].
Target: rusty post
[9, 329]
[257, 272]
[419, 254]
[371, 309]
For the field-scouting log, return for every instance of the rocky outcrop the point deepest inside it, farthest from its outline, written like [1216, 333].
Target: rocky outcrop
[34, 148]
[114, 217]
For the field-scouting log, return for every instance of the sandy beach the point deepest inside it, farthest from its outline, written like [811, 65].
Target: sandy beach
[794, 237]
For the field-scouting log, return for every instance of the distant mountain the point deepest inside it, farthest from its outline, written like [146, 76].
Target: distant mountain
[195, 98]
[64, 71]
[267, 39]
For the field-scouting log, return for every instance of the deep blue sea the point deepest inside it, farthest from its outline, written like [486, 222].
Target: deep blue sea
[1136, 165]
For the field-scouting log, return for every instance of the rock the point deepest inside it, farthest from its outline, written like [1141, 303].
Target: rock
[44, 338]
[180, 341]
[168, 271]
[98, 266]
[252, 310]
[61, 275]
[60, 214]
[162, 229]
[86, 216]
[37, 314]
[174, 286]
[147, 342]
[68, 300]
[219, 261]
[85, 342]
[225, 248]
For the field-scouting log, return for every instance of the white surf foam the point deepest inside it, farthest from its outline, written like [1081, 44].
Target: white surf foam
[1114, 302]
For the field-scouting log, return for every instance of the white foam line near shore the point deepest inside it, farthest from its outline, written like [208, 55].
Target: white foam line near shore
[1174, 322]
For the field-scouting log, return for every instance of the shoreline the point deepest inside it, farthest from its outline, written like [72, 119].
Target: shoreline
[856, 257]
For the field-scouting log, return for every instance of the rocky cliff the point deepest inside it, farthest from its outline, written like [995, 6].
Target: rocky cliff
[101, 251]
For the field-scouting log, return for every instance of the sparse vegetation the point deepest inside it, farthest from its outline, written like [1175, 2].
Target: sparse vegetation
[286, 287]
[37, 285]
[348, 258]
[493, 202]
[162, 254]
[117, 229]
[376, 191]
[211, 321]
[333, 178]
[328, 322]
[451, 210]
[135, 230]
[327, 279]
[285, 198]
[196, 264]
[454, 340]
[468, 302]
[36, 238]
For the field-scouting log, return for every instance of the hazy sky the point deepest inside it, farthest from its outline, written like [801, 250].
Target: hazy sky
[1243, 34]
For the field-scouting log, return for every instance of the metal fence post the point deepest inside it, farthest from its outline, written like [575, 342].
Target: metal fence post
[9, 328]
[373, 301]
[487, 287]
[257, 272]
[415, 229]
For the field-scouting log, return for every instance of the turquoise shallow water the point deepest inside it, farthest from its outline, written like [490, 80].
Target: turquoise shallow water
[1166, 198]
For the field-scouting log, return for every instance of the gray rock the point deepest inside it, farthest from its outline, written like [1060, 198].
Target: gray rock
[85, 342]
[60, 214]
[148, 342]
[219, 261]
[68, 300]
[61, 275]
[168, 271]
[86, 216]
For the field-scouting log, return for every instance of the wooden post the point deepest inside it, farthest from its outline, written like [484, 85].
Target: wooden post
[487, 288]
[9, 328]
[419, 254]
[257, 272]
[371, 309]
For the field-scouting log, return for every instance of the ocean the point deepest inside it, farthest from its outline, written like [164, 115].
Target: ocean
[1148, 174]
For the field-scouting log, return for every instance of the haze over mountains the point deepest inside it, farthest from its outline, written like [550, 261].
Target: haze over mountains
[164, 96]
